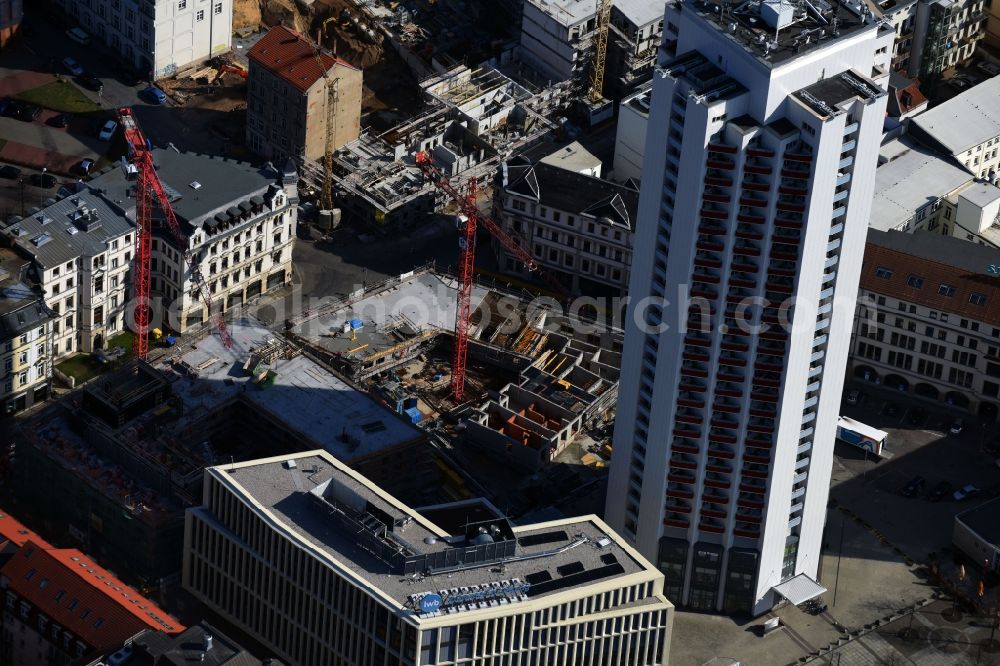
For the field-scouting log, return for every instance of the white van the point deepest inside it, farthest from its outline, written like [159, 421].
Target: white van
[78, 36]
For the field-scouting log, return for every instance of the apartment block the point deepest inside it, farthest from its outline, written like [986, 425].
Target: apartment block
[966, 128]
[288, 98]
[157, 38]
[933, 36]
[326, 568]
[239, 222]
[557, 40]
[926, 323]
[61, 607]
[579, 227]
[81, 248]
[760, 156]
[25, 337]
[635, 34]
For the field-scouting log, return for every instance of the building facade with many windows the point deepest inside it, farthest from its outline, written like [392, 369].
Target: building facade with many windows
[157, 37]
[927, 322]
[933, 36]
[238, 223]
[578, 226]
[25, 337]
[325, 568]
[288, 100]
[756, 192]
[81, 249]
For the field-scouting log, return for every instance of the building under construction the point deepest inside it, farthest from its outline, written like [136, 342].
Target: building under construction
[127, 451]
[474, 117]
[550, 375]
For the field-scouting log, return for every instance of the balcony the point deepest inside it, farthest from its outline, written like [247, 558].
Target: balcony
[720, 198]
[714, 214]
[757, 187]
[717, 452]
[718, 181]
[798, 157]
[723, 165]
[759, 152]
[759, 169]
[690, 433]
[675, 522]
[749, 503]
[753, 488]
[730, 392]
[708, 527]
[712, 513]
[721, 148]
[746, 533]
[693, 419]
[750, 219]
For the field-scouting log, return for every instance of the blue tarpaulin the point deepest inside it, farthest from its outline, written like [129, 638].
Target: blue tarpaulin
[357, 323]
[171, 340]
[414, 414]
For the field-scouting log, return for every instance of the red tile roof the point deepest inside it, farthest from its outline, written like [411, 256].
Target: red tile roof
[292, 56]
[13, 531]
[83, 598]
[934, 273]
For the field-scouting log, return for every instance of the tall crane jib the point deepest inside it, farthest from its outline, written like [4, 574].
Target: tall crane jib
[150, 188]
[466, 264]
[600, 51]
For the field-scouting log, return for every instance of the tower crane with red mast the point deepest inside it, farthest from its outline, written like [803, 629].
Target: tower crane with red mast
[466, 261]
[150, 188]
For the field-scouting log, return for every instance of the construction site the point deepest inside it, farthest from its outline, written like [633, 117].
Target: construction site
[534, 380]
[128, 451]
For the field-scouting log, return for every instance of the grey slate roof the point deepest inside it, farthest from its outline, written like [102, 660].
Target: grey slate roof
[573, 192]
[221, 183]
[52, 237]
[948, 250]
[21, 307]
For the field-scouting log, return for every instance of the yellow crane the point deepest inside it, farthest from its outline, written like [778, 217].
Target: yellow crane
[332, 96]
[600, 51]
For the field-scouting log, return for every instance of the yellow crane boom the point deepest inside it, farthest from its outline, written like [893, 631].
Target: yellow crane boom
[600, 51]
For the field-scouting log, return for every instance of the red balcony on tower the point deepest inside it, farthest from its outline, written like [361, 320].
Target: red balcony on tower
[721, 148]
[758, 169]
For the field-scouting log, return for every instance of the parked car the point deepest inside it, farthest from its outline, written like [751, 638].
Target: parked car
[853, 397]
[940, 491]
[85, 166]
[61, 120]
[72, 66]
[154, 95]
[91, 82]
[29, 112]
[78, 36]
[108, 130]
[965, 492]
[915, 485]
[9, 171]
[956, 427]
[43, 180]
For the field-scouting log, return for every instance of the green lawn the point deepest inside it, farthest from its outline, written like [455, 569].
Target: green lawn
[60, 96]
[82, 367]
[125, 339]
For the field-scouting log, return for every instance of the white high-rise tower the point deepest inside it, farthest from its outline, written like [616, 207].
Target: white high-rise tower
[760, 155]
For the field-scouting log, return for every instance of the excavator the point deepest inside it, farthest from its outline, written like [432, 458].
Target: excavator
[232, 69]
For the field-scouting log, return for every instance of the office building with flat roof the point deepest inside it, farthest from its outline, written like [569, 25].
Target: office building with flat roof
[324, 567]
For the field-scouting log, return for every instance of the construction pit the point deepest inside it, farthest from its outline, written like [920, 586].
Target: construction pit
[535, 381]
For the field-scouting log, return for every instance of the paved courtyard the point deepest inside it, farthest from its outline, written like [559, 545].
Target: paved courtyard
[877, 547]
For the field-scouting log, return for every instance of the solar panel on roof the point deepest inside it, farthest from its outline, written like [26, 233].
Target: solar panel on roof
[543, 538]
[570, 569]
[172, 194]
[538, 577]
[576, 579]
